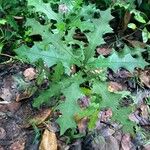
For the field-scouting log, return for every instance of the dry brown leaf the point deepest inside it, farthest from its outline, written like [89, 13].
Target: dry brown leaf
[133, 117]
[104, 51]
[23, 95]
[49, 141]
[6, 94]
[144, 76]
[41, 116]
[136, 43]
[114, 87]
[1, 148]
[13, 106]
[18, 145]
[29, 74]
[82, 125]
[144, 111]
[112, 144]
[2, 133]
[146, 147]
[126, 19]
[126, 143]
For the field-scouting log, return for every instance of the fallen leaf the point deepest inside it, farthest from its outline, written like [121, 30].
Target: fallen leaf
[138, 119]
[144, 111]
[126, 143]
[1, 148]
[49, 141]
[146, 147]
[6, 94]
[40, 117]
[144, 76]
[108, 143]
[104, 117]
[126, 20]
[29, 74]
[114, 87]
[18, 145]
[104, 51]
[82, 125]
[136, 43]
[133, 117]
[112, 143]
[13, 106]
[2, 133]
[84, 101]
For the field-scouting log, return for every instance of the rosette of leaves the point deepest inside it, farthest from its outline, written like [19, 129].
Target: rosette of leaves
[59, 47]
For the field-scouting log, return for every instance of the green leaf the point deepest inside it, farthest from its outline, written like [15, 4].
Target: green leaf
[92, 113]
[55, 89]
[109, 99]
[45, 96]
[50, 55]
[115, 62]
[139, 18]
[45, 8]
[1, 47]
[58, 72]
[132, 26]
[55, 40]
[121, 115]
[145, 35]
[101, 27]
[69, 108]
[3, 21]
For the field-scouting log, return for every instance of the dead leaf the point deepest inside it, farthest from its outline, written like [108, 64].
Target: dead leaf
[122, 73]
[18, 145]
[49, 141]
[144, 76]
[2, 133]
[13, 106]
[104, 51]
[133, 117]
[73, 69]
[109, 143]
[29, 74]
[126, 143]
[104, 117]
[144, 111]
[146, 147]
[1, 148]
[40, 117]
[82, 125]
[114, 87]
[126, 20]
[112, 143]
[136, 43]
[6, 94]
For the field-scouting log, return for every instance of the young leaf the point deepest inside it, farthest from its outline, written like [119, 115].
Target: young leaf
[95, 37]
[145, 35]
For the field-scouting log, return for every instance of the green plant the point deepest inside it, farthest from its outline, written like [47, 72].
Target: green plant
[62, 47]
